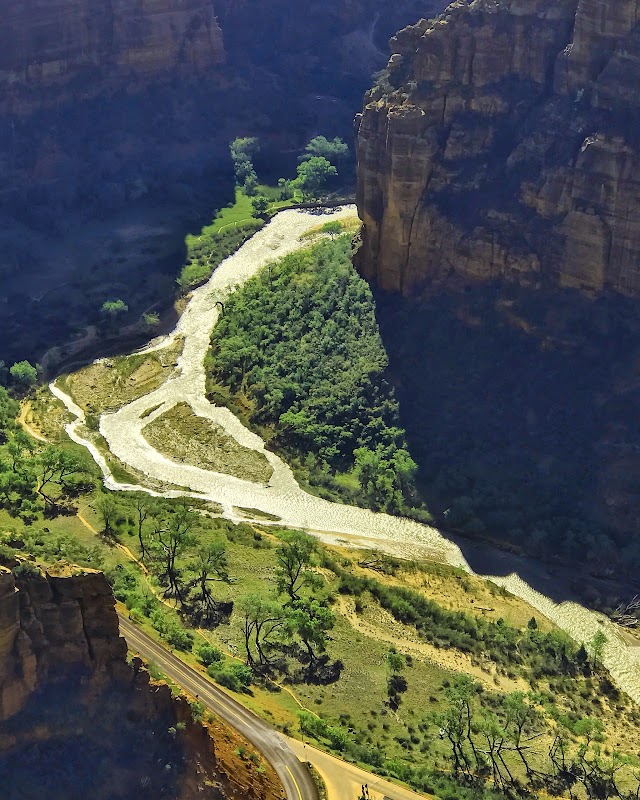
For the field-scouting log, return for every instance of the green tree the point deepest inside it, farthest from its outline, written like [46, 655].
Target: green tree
[173, 534]
[311, 621]
[522, 722]
[314, 176]
[150, 320]
[596, 647]
[396, 682]
[286, 191]
[242, 152]
[250, 185]
[456, 725]
[263, 628]
[260, 204]
[334, 228]
[244, 147]
[20, 448]
[144, 506]
[114, 309]
[24, 375]
[377, 478]
[334, 150]
[107, 507]
[294, 559]
[9, 410]
[61, 468]
[209, 565]
[207, 654]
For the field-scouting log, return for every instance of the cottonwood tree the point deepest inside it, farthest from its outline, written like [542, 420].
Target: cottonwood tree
[294, 559]
[210, 565]
[114, 308]
[396, 682]
[334, 150]
[313, 177]
[107, 507]
[20, 449]
[596, 647]
[263, 626]
[24, 375]
[522, 720]
[145, 507]
[456, 725]
[58, 467]
[172, 535]
[311, 621]
[9, 410]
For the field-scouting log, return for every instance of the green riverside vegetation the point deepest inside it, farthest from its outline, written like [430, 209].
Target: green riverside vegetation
[266, 613]
[298, 346]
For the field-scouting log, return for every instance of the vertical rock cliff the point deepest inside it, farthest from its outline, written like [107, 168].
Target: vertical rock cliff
[78, 720]
[51, 625]
[502, 142]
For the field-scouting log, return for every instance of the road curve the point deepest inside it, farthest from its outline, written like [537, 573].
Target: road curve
[344, 781]
[294, 775]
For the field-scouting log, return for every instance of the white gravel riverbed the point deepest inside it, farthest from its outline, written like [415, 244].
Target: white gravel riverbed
[282, 496]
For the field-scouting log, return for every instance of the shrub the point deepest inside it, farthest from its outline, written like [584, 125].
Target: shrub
[207, 654]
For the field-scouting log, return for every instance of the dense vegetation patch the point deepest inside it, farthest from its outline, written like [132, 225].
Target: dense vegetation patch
[210, 248]
[530, 651]
[298, 346]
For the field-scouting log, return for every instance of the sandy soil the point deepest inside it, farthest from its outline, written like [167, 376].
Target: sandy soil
[186, 438]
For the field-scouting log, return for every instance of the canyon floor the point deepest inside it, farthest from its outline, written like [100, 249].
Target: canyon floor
[281, 497]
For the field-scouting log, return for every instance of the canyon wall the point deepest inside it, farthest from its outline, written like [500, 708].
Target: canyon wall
[69, 49]
[78, 720]
[59, 621]
[502, 142]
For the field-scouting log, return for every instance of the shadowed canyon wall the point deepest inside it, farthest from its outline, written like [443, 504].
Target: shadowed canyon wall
[77, 720]
[67, 49]
[502, 142]
[115, 123]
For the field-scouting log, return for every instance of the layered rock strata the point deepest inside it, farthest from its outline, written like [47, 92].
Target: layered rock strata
[502, 142]
[52, 624]
[89, 46]
[78, 719]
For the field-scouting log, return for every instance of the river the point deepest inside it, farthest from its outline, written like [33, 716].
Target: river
[282, 496]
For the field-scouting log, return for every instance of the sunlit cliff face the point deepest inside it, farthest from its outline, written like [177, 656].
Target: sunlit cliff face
[502, 144]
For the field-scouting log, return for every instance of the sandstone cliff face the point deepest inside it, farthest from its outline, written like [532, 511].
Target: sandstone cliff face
[51, 625]
[502, 143]
[92, 45]
[77, 720]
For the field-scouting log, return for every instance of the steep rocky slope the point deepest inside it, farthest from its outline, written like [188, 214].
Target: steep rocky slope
[77, 720]
[503, 143]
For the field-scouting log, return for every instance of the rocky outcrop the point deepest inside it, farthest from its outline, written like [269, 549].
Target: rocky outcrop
[502, 143]
[60, 621]
[76, 719]
[80, 48]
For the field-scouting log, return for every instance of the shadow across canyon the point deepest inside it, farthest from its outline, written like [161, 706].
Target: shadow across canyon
[520, 408]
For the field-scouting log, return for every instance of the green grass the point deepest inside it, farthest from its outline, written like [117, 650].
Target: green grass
[241, 211]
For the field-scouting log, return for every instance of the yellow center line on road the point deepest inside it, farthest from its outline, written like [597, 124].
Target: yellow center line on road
[186, 676]
[295, 782]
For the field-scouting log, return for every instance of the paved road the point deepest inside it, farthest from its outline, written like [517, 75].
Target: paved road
[294, 775]
[344, 781]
